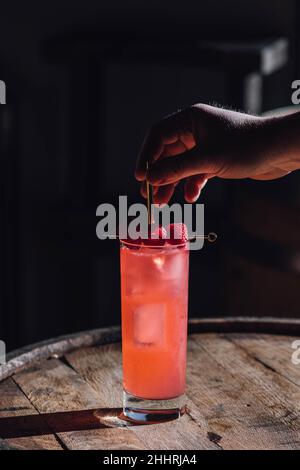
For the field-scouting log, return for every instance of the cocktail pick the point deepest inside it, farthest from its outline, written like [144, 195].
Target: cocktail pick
[149, 199]
[210, 237]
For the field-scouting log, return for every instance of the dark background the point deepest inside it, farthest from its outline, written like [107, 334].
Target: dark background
[84, 82]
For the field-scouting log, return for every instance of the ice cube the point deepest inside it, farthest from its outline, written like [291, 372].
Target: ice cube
[159, 262]
[174, 266]
[149, 324]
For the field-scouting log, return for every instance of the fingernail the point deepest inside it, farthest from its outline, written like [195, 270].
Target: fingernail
[139, 177]
[196, 197]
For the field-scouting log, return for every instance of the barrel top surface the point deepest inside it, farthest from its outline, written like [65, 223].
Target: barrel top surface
[243, 388]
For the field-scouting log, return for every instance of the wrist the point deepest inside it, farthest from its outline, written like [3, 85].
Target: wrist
[280, 140]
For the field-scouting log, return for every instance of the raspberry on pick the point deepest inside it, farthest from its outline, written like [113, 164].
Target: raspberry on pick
[157, 237]
[177, 234]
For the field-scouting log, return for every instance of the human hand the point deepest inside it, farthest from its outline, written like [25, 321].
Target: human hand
[202, 142]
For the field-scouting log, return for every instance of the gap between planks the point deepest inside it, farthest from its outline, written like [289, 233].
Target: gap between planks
[263, 347]
[15, 403]
[99, 365]
[241, 435]
[209, 358]
[52, 387]
[276, 414]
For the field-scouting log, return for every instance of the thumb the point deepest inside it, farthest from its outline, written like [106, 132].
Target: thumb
[172, 169]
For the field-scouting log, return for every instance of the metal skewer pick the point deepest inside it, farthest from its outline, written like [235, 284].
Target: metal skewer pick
[210, 237]
[149, 199]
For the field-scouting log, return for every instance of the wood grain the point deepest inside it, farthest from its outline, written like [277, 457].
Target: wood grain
[248, 405]
[52, 387]
[15, 403]
[20, 359]
[242, 392]
[101, 368]
[274, 352]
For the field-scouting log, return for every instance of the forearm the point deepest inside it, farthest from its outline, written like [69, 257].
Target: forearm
[280, 141]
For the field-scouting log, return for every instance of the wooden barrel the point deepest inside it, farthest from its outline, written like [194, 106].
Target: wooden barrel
[243, 392]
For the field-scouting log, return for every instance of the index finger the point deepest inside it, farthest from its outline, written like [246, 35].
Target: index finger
[164, 133]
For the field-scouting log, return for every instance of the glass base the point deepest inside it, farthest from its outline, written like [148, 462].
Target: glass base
[143, 410]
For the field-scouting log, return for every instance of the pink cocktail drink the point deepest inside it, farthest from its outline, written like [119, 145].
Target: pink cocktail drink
[154, 291]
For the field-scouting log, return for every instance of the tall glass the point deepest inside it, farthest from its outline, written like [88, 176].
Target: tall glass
[154, 292]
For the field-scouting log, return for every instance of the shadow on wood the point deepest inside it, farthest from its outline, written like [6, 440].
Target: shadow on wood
[49, 423]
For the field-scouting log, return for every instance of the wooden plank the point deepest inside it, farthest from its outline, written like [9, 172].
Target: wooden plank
[14, 403]
[5, 446]
[182, 434]
[53, 387]
[228, 408]
[242, 393]
[101, 368]
[247, 405]
[104, 439]
[273, 351]
[286, 394]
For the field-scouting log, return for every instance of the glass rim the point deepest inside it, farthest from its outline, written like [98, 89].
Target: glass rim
[166, 246]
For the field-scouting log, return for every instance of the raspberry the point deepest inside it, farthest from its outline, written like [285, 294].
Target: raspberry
[159, 232]
[177, 234]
